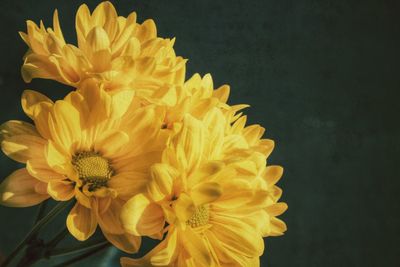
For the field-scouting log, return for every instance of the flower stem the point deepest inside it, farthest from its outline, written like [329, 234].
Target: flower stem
[42, 209]
[83, 256]
[58, 238]
[35, 229]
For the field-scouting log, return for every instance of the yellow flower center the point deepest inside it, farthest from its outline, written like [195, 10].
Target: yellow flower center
[200, 217]
[92, 169]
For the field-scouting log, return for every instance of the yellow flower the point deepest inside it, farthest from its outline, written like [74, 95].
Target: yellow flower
[195, 97]
[90, 146]
[214, 201]
[114, 50]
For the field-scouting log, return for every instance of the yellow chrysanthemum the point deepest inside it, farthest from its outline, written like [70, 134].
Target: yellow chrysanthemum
[214, 201]
[114, 50]
[90, 146]
[196, 97]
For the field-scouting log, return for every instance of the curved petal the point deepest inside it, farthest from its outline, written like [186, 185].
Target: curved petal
[205, 193]
[23, 147]
[81, 222]
[21, 190]
[272, 174]
[141, 217]
[61, 190]
[38, 168]
[128, 184]
[30, 99]
[163, 176]
[184, 207]
[109, 220]
[125, 242]
[163, 254]
[14, 127]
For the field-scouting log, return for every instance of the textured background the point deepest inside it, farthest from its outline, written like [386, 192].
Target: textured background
[321, 76]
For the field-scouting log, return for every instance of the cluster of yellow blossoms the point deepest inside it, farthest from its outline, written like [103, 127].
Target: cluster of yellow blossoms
[143, 152]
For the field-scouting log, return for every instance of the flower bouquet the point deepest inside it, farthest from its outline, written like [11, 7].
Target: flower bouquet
[137, 150]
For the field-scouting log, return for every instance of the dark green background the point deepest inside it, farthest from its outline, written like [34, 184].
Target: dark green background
[321, 76]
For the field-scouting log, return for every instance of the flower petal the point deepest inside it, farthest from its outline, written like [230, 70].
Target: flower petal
[272, 174]
[64, 124]
[125, 242]
[184, 207]
[109, 220]
[141, 217]
[111, 143]
[14, 127]
[163, 176]
[196, 247]
[205, 193]
[38, 168]
[81, 222]
[23, 147]
[30, 99]
[128, 184]
[238, 236]
[20, 190]
[61, 190]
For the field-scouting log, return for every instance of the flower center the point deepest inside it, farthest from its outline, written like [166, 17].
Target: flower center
[92, 169]
[200, 217]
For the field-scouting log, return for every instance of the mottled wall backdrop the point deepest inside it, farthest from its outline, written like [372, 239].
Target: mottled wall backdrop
[321, 76]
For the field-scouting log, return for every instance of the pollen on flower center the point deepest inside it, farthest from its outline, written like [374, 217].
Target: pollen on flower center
[200, 217]
[92, 169]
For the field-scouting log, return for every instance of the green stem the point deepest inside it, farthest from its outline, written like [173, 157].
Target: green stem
[83, 256]
[57, 239]
[32, 233]
[42, 209]
[77, 249]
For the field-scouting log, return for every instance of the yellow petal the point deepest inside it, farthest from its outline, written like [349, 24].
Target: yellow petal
[121, 101]
[61, 190]
[184, 207]
[57, 160]
[30, 99]
[128, 184]
[97, 39]
[206, 172]
[147, 31]
[277, 209]
[196, 247]
[222, 93]
[19, 190]
[82, 23]
[14, 127]
[238, 236]
[109, 220]
[111, 143]
[141, 217]
[166, 255]
[38, 168]
[272, 174]
[23, 147]
[81, 222]
[161, 184]
[65, 124]
[41, 116]
[125, 242]
[205, 193]
[189, 144]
